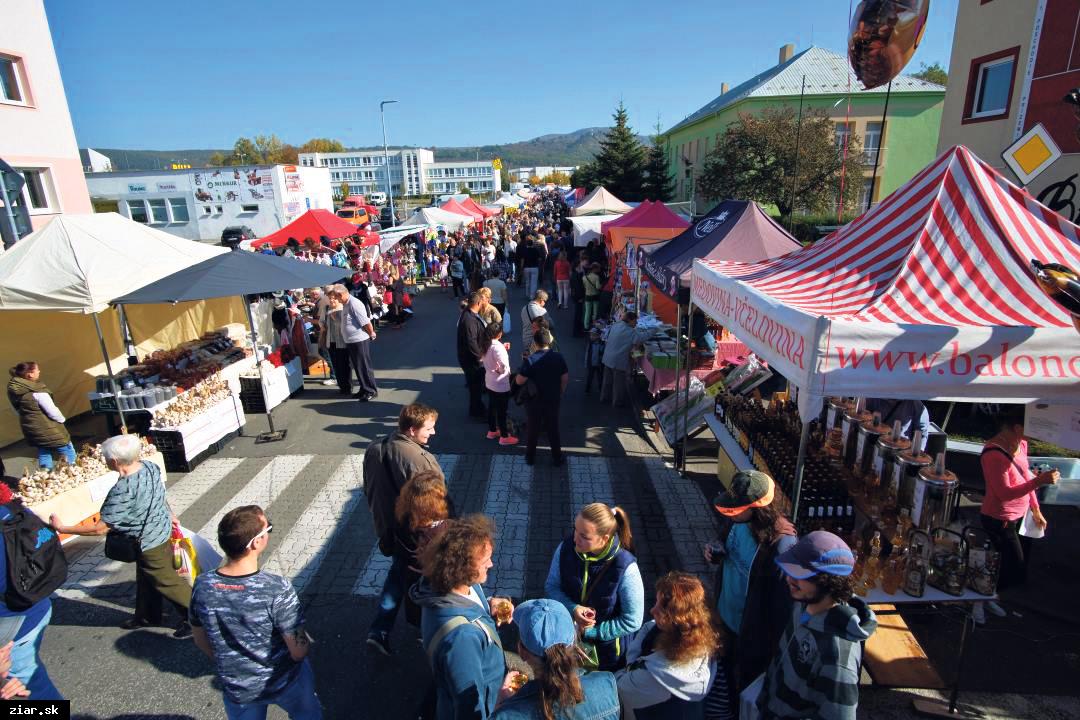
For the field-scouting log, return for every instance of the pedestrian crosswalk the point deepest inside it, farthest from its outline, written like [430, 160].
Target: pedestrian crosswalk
[326, 544]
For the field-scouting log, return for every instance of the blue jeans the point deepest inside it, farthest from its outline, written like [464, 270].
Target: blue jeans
[298, 699]
[45, 455]
[26, 663]
[393, 593]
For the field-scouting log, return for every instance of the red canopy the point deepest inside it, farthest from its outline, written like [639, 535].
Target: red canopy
[454, 206]
[470, 204]
[312, 224]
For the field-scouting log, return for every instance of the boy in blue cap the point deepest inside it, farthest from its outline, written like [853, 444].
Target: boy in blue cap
[816, 673]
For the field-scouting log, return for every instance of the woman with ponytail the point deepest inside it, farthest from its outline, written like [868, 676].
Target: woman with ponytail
[595, 575]
[672, 658]
[41, 421]
[560, 688]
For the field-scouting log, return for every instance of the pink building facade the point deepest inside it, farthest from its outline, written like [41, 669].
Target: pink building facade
[36, 134]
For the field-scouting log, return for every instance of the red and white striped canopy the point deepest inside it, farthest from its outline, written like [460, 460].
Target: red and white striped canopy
[930, 288]
[952, 247]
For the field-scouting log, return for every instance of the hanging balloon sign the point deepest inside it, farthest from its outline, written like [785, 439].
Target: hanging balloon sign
[883, 37]
[1062, 285]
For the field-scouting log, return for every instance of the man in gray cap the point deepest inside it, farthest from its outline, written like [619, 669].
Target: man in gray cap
[816, 672]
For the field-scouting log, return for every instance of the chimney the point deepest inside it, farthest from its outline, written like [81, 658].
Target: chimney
[786, 53]
[723, 88]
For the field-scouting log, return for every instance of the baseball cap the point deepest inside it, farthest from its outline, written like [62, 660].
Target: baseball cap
[817, 552]
[749, 489]
[543, 623]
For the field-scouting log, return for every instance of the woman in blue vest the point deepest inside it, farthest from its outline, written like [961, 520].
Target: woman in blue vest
[595, 575]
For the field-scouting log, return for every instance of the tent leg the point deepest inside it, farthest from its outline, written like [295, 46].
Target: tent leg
[686, 402]
[273, 435]
[108, 368]
[678, 374]
[800, 463]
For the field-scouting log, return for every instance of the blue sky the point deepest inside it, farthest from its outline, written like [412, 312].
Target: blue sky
[169, 75]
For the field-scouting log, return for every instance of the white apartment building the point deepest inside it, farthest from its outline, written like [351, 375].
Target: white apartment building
[412, 171]
[522, 174]
[200, 203]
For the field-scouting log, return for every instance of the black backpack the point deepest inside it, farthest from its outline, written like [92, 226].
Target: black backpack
[36, 565]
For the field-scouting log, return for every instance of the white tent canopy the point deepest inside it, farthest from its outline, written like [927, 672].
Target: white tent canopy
[389, 238]
[439, 218]
[79, 263]
[929, 295]
[601, 202]
[508, 200]
[588, 228]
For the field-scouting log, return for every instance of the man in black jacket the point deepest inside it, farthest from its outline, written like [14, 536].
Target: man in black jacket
[577, 292]
[470, 334]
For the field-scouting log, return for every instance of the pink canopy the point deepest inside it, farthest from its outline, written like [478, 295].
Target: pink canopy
[454, 206]
[470, 204]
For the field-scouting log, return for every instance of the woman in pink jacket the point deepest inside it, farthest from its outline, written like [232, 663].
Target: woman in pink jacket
[497, 382]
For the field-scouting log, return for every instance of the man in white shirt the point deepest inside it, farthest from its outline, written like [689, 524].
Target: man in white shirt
[358, 330]
[498, 292]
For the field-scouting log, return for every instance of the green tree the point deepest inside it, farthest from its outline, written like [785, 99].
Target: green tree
[464, 189]
[244, 153]
[217, 159]
[620, 164]
[556, 177]
[270, 148]
[658, 185]
[290, 154]
[322, 145]
[755, 160]
[932, 73]
[585, 176]
[504, 176]
[345, 190]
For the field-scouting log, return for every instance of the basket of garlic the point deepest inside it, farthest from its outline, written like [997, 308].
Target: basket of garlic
[192, 425]
[75, 491]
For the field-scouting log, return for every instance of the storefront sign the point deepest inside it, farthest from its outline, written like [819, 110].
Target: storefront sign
[136, 187]
[166, 187]
[236, 184]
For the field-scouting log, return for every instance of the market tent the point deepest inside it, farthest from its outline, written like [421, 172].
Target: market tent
[469, 204]
[235, 273]
[494, 208]
[510, 201]
[79, 263]
[437, 217]
[648, 223]
[588, 228]
[929, 295]
[453, 206]
[600, 202]
[390, 238]
[734, 230]
[75, 266]
[312, 224]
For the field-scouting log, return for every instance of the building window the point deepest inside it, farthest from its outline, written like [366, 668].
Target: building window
[842, 134]
[178, 206]
[249, 208]
[872, 142]
[38, 191]
[159, 213]
[11, 89]
[990, 86]
[866, 195]
[218, 209]
[137, 211]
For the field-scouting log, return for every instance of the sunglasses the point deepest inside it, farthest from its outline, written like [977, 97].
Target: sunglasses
[265, 531]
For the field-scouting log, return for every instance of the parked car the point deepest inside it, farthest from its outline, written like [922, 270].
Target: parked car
[386, 217]
[377, 198]
[236, 234]
[355, 215]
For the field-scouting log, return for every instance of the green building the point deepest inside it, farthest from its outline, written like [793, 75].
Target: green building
[911, 128]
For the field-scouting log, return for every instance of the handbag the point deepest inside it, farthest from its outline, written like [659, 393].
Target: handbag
[123, 547]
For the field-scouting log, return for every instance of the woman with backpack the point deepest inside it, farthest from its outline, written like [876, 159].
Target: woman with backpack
[41, 421]
[595, 575]
[671, 660]
[138, 520]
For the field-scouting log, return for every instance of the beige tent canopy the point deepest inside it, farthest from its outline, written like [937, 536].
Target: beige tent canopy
[601, 202]
[74, 266]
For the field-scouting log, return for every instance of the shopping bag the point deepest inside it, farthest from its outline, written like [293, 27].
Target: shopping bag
[748, 699]
[184, 559]
[206, 557]
[506, 320]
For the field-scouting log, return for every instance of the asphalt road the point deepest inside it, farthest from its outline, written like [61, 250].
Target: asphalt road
[311, 485]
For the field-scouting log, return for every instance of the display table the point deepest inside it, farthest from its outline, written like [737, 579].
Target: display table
[730, 457]
[185, 446]
[277, 385]
[664, 379]
[81, 504]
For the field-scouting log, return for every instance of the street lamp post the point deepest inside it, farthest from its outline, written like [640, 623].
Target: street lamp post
[386, 157]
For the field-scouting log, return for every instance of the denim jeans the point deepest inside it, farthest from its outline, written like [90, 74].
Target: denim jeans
[298, 699]
[45, 455]
[26, 663]
[393, 594]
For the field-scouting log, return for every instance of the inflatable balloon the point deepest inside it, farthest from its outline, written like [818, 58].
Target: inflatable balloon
[1062, 285]
[883, 37]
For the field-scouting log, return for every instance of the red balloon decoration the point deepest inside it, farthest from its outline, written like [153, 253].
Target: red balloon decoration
[883, 37]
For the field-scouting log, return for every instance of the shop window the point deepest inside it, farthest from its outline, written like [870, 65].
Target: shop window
[38, 191]
[159, 212]
[179, 209]
[990, 86]
[11, 84]
[137, 211]
[249, 208]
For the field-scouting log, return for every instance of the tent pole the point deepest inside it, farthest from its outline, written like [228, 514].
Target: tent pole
[678, 367]
[800, 463]
[686, 403]
[108, 368]
[273, 435]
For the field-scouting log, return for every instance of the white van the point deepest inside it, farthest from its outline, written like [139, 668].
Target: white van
[377, 198]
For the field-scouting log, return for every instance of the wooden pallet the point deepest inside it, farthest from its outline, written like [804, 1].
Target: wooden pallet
[894, 658]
